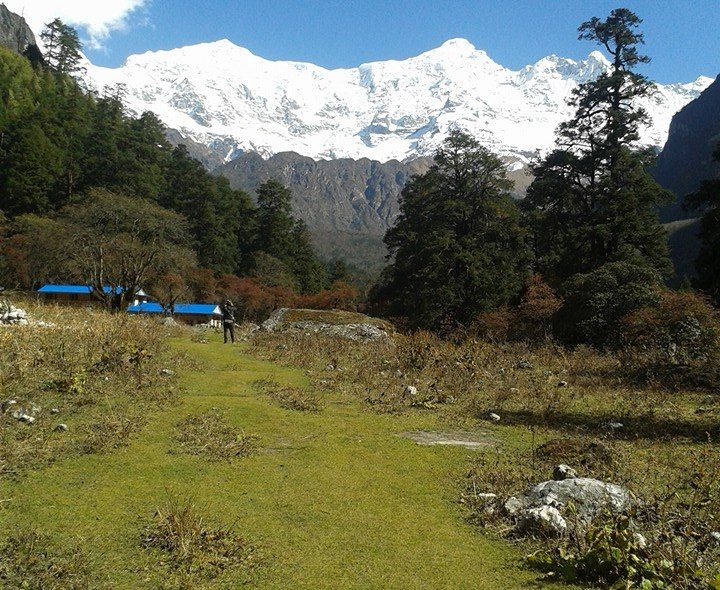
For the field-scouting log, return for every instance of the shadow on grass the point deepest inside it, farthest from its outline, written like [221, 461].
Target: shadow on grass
[647, 427]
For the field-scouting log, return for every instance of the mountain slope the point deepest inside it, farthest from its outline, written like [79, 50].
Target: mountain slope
[687, 158]
[348, 204]
[224, 97]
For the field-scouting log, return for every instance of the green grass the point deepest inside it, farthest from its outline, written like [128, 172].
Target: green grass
[334, 499]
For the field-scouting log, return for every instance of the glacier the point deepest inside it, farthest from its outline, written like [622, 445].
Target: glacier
[225, 97]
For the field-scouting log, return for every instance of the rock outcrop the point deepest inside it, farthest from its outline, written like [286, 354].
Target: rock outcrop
[15, 33]
[343, 324]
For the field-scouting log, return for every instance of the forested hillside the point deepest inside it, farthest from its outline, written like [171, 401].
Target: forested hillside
[60, 144]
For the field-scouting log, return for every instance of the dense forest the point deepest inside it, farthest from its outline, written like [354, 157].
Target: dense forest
[62, 145]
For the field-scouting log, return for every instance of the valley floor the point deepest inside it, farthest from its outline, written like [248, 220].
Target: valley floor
[333, 499]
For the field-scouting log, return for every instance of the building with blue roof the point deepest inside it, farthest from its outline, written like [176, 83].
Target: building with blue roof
[80, 294]
[189, 313]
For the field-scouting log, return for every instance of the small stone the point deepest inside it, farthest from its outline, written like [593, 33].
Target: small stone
[716, 536]
[493, 417]
[61, 428]
[167, 372]
[562, 472]
[523, 364]
[54, 411]
[329, 367]
[411, 391]
[615, 425]
[512, 506]
[640, 540]
[514, 390]
[486, 496]
[562, 384]
[399, 374]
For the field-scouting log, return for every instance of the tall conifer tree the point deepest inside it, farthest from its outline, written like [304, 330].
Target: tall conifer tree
[592, 201]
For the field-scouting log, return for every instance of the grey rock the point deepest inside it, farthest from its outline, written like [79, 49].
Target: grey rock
[55, 411]
[544, 520]
[61, 428]
[562, 384]
[493, 417]
[588, 496]
[512, 506]
[523, 364]
[15, 32]
[561, 472]
[615, 425]
[715, 535]
[411, 391]
[640, 540]
[358, 332]
[514, 390]
[166, 372]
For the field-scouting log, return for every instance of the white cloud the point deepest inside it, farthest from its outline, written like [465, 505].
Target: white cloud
[96, 19]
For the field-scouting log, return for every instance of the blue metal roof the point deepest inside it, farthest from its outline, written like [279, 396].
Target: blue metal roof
[78, 289]
[179, 308]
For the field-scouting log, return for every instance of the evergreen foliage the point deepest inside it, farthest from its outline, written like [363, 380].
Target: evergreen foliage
[62, 48]
[458, 245]
[592, 201]
[59, 142]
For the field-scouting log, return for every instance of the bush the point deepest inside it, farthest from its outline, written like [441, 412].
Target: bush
[531, 321]
[596, 302]
[676, 342]
[190, 551]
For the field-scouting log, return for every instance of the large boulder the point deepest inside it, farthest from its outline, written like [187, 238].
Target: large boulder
[13, 316]
[344, 324]
[589, 497]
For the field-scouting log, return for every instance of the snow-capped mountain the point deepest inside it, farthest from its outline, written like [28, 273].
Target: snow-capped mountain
[223, 96]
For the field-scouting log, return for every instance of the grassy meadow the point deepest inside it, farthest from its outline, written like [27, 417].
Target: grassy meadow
[326, 496]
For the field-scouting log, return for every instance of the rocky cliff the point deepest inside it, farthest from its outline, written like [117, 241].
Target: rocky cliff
[686, 160]
[15, 32]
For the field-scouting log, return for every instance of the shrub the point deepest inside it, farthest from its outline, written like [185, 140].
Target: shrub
[290, 398]
[595, 303]
[676, 342]
[189, 549]
[538, 306]
[29, 559]
[211, 436]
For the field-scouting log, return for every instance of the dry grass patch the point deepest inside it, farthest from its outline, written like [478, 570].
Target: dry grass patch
[29, 559]
[290, 398]
[99, 374]
[209, 435]
[190, 551]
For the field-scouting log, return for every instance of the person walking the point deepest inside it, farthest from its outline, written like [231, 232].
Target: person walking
[228, 314]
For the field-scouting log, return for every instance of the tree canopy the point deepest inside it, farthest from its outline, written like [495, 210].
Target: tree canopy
[458, 245]
[592, 201]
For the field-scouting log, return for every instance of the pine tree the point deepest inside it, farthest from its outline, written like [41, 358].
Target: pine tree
[459, 248]
[275, 221]
[62, 48]
[592, 201]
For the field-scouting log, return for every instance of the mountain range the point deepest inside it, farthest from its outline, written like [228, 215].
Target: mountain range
[223, 97]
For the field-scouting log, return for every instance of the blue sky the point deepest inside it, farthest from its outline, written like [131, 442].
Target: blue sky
[682, 35]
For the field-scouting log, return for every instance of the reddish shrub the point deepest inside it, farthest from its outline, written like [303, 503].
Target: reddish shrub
[535, 313]
[676, 341]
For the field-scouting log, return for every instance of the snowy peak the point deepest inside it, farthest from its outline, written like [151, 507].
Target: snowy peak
[223, 96]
